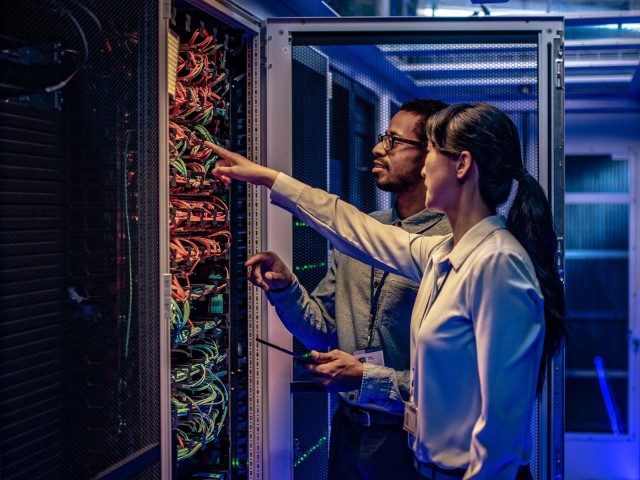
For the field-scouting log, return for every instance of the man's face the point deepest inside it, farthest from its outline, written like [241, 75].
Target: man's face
[398, 170]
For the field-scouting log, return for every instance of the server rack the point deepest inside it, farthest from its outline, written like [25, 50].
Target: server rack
[105, 373]
[515, 63]
[208, 234]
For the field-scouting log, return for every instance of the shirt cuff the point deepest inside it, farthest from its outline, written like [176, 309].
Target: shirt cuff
[286, 191]
[291, 292]
[375, 384]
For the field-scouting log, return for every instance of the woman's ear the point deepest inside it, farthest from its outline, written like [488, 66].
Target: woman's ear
[464, 164]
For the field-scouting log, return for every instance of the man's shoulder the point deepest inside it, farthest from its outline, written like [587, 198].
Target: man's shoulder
[383, 216]
[437, 224]
[429, 223]
[424, 222]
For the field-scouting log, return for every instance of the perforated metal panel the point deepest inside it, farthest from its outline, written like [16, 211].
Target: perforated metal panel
[79, 289]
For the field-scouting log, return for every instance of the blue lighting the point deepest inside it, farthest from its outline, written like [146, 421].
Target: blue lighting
[606, 395]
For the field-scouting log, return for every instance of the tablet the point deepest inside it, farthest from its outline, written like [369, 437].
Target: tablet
[301, 358]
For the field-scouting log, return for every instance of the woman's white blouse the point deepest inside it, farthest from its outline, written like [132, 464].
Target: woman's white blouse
[477, 329]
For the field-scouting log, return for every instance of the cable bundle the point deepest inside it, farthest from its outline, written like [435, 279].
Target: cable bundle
[199, 101]
[190, 160]
[183, 328]
[199, 243]
[200, 400]
[200, 414]
[196, 215]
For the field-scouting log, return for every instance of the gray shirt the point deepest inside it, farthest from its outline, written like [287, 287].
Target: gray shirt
[337, 315]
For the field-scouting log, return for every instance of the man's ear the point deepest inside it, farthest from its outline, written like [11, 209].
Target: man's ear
[464, 164]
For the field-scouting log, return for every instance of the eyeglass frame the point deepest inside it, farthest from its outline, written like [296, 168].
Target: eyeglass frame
[395, 139]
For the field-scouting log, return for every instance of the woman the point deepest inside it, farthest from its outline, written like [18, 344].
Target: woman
[490, 310]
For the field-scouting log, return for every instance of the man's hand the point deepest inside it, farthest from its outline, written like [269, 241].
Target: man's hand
[267, 271]
[337, 371]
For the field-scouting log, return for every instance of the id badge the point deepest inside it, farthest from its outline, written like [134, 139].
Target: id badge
[410, 418]
[374, 356]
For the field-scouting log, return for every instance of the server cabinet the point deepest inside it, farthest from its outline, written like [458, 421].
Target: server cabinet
[80, 256]
[331, 86]
[124, 327]
[210, 69]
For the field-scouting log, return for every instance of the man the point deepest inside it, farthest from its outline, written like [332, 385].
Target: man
[363, 314]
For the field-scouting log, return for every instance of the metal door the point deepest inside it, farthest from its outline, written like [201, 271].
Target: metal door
[322, 74]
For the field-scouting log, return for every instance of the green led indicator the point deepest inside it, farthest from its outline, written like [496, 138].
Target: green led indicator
[306, 454]
[309, 266]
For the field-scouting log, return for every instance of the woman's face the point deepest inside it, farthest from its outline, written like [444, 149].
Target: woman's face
[440, 180]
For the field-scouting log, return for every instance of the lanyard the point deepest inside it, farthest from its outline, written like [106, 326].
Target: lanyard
[375, 296]
[373, 310]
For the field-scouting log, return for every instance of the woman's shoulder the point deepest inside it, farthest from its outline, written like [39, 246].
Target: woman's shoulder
[502, 244]
[503, 256]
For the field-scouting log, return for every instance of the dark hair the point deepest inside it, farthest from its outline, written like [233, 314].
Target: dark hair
[424, 108]
[492, 138]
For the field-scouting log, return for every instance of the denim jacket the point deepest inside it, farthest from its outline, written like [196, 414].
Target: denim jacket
[336, 315]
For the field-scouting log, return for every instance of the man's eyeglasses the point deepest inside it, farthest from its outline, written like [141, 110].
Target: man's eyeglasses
[388, 141]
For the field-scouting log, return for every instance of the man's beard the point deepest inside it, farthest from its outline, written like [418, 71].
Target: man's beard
[393, 187]
[400, 184]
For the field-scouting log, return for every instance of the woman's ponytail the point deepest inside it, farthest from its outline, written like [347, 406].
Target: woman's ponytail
[531, 222]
